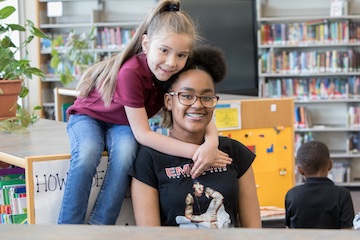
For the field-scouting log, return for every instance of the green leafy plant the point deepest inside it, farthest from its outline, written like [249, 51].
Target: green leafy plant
[12, 68]
[71, 60]
[20, 123]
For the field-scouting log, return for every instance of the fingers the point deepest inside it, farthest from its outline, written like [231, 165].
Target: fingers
[198, 168]
[201, 166]
[220, 164]
[225, 160]
[221, 153]
[221, 161]
[196, 156]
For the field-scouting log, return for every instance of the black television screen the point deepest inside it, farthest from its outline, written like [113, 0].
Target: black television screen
[229, 25]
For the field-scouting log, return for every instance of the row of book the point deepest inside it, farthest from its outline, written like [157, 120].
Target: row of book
[314, 32]
[318, 31]
[113, 37]
[301, 138]
[13, 206]
[302, 118]
[305, 62]
[313, 88]
[105, 38]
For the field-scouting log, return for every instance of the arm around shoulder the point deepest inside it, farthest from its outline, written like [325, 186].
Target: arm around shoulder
[139, 123]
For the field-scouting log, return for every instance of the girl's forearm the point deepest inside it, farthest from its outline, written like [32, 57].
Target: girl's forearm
[212, 135]
[168, 145]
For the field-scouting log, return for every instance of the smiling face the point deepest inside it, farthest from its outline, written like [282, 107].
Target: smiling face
[189, 122]
[166, 53]
[198, 189]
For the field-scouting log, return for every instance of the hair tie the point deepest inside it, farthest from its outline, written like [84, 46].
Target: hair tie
[172, 7]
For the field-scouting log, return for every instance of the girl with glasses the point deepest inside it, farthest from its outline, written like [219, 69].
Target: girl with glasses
[163, 192]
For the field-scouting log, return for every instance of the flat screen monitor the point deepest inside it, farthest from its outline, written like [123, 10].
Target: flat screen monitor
[230, 25]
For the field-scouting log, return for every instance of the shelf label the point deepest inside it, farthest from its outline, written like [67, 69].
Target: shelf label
[337, 8]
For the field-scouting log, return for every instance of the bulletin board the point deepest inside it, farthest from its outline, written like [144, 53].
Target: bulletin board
[267, 129]
[258, 112]
[274, 163]
[45, 180]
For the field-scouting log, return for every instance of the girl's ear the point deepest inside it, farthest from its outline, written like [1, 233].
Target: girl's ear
[144, 43]
[167, 101]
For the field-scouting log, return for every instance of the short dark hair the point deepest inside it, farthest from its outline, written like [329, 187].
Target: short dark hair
[313, 156]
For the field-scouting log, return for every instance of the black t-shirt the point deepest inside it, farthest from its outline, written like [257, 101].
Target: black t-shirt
[170, 175]
[319, 203]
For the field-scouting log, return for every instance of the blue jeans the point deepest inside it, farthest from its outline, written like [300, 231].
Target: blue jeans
[89, 137]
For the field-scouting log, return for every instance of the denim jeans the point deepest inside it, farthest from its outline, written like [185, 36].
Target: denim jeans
[89, 137]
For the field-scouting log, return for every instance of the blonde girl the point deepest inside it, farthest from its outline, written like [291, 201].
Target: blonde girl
[116, 98]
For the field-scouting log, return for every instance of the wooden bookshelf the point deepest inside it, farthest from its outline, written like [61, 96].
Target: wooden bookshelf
[308, 53]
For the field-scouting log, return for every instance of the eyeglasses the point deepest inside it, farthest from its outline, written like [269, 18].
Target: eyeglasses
[189, 99]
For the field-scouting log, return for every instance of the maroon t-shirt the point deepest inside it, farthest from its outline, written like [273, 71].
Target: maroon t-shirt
[134, 88]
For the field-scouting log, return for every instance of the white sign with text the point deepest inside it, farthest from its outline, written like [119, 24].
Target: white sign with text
[49, 184]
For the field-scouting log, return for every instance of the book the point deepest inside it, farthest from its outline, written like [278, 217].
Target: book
[12, 173]
[13, 204]
[118, 37]
[64, 115]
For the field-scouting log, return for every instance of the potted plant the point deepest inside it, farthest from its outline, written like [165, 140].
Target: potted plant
[70, 58]
[13, 71]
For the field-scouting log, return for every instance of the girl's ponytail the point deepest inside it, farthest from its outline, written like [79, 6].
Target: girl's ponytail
[165, 16]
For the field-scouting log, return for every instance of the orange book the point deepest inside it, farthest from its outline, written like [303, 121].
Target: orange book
[285, 65]
[302, 117]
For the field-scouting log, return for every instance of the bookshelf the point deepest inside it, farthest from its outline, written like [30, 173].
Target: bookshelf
[113, 22]
[311, 53]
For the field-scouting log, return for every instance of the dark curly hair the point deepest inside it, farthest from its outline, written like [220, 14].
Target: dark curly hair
[207, 58]
[211, 60]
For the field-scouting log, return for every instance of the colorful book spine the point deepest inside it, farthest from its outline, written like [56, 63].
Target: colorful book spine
[310, 32]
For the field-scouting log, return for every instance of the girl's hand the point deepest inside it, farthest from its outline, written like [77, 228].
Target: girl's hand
[204, 158]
